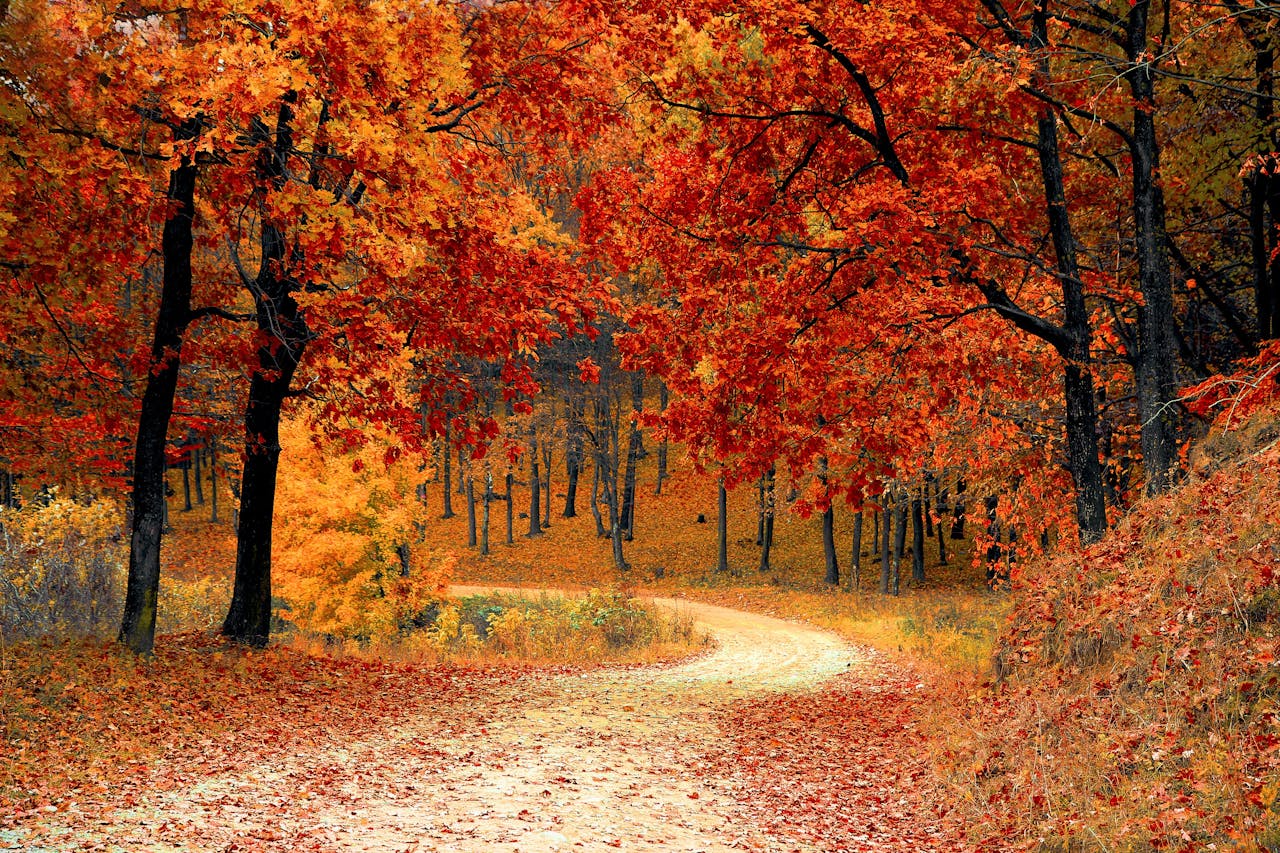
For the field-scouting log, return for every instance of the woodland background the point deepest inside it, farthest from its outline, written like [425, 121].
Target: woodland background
[867, 313]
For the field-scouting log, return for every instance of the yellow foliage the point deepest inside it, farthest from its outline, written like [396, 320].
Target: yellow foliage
[341, 523]
[62, 565]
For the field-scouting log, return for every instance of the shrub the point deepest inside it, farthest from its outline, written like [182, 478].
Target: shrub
[62, 568]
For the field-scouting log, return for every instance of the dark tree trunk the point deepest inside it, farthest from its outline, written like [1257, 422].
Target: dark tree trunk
[446, 452]
[994, 551]
[186, 486]
[917, 540]
[138, 624]
[957, 519]
[511, 513]
[197, 474]
[635, 448]
[606, 463]
[767, 502]
[886, 525]
[213, 479]
[928, 510]
[1157, 348]
[760, 511]
[535, 486]
[1257, 25]
[899, 541]
[460, 488]
[484, 518]
[855, 558]
[832, 573]
[547, 447]
[663, 399]
[601, 530]
[283, 328]
[573, 455]
[404, 556]
[471, 508]
[722, 526]
[942, 543]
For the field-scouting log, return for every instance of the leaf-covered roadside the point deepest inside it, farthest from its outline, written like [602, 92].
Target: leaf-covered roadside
[845, 768]
[82, 719]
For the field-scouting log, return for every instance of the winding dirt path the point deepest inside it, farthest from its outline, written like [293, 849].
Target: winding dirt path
[597, 761]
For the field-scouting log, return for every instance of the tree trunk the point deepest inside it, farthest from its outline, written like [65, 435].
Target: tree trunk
[547, 447]
[484, 520]
[635, 448]
[511, 519]
[886, 576]
[198, 475]
[284, 332]
[899, 541]
[405, 558]
[832, 574]
[722, 527]
[186, 486]
[213, 479]
[957, 519]
[601, 530]
[855, 559]
[760, 511]
[138, 623]
[573, 451]
[832, 567]
[535, 486]
[1157, 381]
[917, 540]
[663, 399]
[446, 452]
[471, 508]
[767, 500]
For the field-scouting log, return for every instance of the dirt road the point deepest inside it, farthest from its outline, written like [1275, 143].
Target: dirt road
[597, 761]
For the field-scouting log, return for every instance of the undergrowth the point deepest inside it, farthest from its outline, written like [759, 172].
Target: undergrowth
[502, 627]
[1136, 698]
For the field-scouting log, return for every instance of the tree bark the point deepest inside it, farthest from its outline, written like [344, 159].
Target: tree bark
[886, 525]
[471, 508]
[722, 527]
[855, 558]
[635, 448]
[1157, 381]
[213, 479]
[511, 520]
[535, 485]
[138, 623]
[283, 328]
[663, 399]
[957, 519]
[446, 452]
[917, 540]
[767, 501]
[899, 541]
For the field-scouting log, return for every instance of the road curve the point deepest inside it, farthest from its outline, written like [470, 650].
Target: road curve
[598, 761]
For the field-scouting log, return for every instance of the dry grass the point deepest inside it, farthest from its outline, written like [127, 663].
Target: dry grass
[1139, 703]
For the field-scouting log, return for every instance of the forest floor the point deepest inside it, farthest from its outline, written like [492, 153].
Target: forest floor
[783, 737]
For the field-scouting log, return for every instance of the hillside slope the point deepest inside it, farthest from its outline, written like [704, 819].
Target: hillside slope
[1136, 698]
